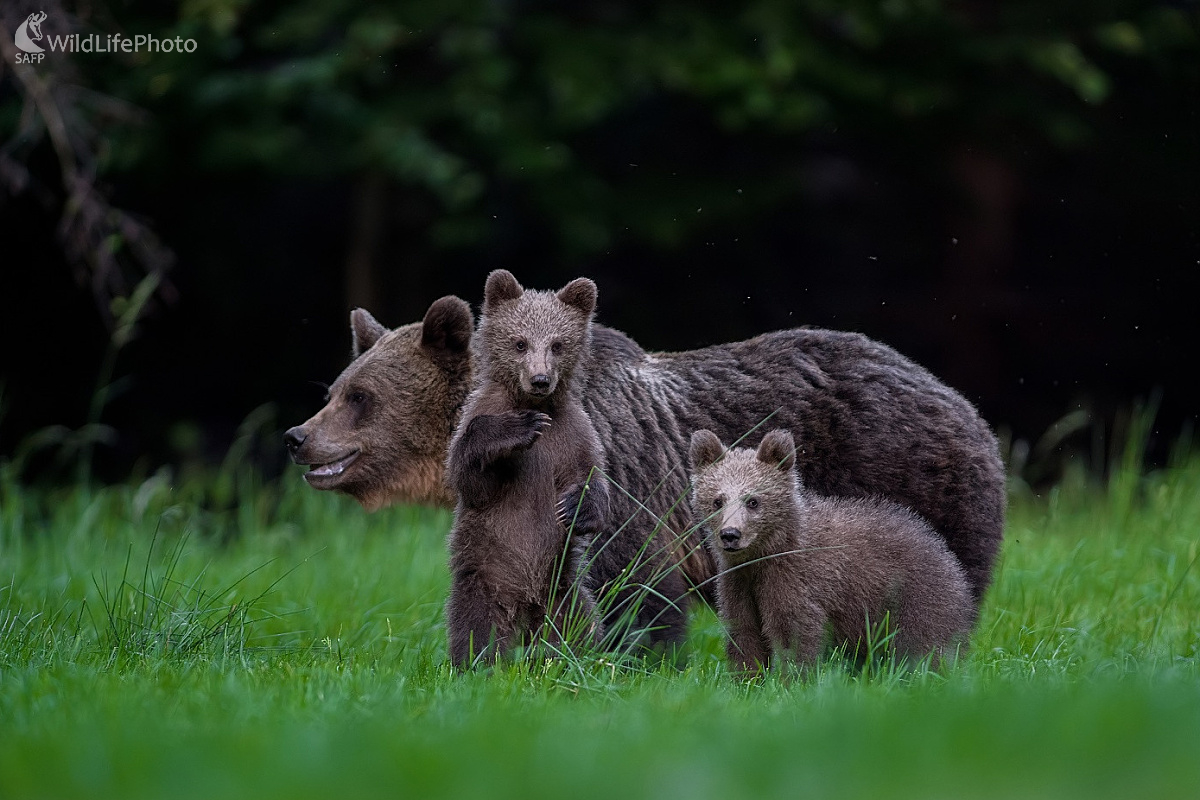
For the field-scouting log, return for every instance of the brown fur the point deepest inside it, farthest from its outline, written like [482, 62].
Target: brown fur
[524, 441]
[868, 422]
[795, 567]
[363, 442]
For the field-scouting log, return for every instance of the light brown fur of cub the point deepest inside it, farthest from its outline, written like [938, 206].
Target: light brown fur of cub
[524, 441]
[799, 573]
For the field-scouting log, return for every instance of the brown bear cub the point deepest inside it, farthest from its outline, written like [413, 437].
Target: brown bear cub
[524, 442]
[800, 572]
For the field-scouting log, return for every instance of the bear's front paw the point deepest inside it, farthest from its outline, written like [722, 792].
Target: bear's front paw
[525, 427]
[579, 509]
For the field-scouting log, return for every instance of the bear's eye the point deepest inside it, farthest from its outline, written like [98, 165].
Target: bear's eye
[751, 503]
[521, 345]
[556, 348]
[718, 502]
[358, 398]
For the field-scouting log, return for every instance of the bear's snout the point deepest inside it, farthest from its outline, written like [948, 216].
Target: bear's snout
[294, 438]
[540, 382]
[730, 537]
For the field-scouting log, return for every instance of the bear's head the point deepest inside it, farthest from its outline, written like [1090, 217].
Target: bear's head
[383, 433]
[746, 501]
[530, 342]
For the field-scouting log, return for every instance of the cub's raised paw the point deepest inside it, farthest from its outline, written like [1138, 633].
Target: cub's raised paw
[526, 426]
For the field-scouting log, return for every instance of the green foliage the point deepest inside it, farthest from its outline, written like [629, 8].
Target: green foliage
[557, 105]
[1080, 680]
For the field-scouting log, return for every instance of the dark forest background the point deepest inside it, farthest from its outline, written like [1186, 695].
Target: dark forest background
[1007, 192]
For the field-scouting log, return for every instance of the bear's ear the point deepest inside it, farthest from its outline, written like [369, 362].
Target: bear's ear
[501, 287]
[447, 326]
[580, 293]
[706, 450]
[364, 331]
[778, 449]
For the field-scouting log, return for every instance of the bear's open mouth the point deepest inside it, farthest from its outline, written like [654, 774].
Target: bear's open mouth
[330, 472]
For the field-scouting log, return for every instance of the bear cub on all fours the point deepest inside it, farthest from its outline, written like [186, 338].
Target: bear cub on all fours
[795, 568]
[524, 442]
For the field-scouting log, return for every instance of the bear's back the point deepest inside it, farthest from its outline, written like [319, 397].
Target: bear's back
[872, 556]
[867, 421]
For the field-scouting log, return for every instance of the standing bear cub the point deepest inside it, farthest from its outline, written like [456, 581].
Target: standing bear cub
[524, 442]
[795, 568]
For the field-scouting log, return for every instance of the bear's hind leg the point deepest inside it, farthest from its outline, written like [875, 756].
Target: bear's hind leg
[478, 625]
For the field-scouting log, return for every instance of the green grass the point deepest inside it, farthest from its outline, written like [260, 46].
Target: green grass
[226, 638]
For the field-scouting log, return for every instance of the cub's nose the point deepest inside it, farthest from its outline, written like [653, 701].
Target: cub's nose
[730, 536]
[293, 438]
[540, 381]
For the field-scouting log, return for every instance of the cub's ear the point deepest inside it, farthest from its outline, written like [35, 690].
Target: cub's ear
[778, 449]
[706, 449]
[364, 331]
[446, 329]
[501, 287]
[580, 293]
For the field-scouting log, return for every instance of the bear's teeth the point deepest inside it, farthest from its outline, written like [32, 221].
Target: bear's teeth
[333, 467]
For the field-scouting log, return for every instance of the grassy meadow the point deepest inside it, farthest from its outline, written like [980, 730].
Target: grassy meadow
[216, 637]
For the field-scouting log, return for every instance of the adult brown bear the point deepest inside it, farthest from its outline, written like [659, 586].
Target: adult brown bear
[866, 420]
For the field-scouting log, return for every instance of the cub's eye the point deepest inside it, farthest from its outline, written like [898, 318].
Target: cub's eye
[556, 348]
[521, 346]
[718, 502]
[751, 503]
[358, 398]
